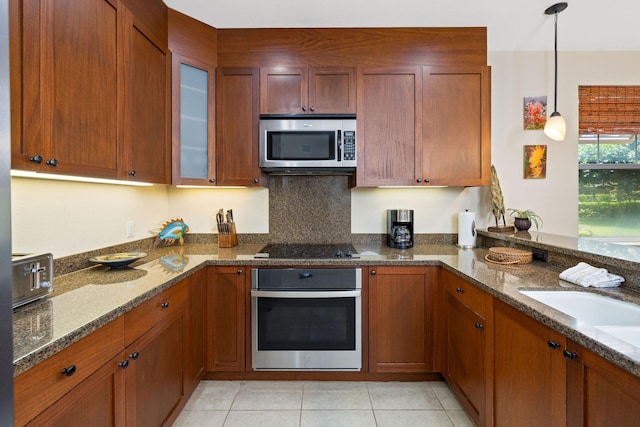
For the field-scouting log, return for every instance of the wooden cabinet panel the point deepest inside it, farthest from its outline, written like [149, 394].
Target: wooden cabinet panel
[389, 126]
[154, 377]
[598, 392]
[332, 90]
[146, 151]
[67, 88]
[400, 337]
[457, 126]
[468, 294]
[466, 356]
[226, 322]
[283, 90]
[237, 121]
[529, 374]
[148, 314]
[39, 387]
[195, 348]
[97, 401]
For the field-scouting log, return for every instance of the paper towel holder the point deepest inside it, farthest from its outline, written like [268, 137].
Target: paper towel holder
[469, 235]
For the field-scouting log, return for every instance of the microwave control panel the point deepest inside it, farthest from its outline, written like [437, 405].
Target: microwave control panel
[349, 145]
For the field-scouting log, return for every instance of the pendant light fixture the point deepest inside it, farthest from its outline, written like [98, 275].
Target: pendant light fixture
[555, 128]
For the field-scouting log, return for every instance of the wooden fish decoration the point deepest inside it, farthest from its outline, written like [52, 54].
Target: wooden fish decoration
[172, 231]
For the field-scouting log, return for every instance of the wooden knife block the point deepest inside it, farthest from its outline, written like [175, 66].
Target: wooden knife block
[228, 240]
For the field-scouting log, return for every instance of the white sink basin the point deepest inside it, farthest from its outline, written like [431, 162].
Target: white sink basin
[630, 334]
[597, 310]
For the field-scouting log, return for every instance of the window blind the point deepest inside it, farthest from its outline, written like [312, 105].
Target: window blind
[608, 110]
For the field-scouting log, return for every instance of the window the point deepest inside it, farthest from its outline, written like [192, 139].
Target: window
[609, 162]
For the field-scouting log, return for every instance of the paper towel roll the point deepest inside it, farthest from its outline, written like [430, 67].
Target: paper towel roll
[467, 229]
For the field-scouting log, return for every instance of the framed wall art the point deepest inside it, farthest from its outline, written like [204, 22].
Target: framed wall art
[535, 112]
[535, 161]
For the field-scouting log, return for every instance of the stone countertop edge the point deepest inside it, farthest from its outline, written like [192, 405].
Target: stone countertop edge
[84, 307]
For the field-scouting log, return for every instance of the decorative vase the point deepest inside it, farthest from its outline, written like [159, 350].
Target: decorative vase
[522, 224]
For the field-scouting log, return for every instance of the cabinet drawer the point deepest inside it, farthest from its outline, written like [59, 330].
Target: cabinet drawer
[39, 387]
[466, 293]
[145, 316]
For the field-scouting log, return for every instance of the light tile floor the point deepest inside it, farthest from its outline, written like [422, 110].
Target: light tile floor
[315, 404]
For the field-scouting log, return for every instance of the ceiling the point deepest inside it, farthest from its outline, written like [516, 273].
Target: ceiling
[511, 24]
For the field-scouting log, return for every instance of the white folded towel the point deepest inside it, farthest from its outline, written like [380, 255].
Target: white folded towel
[586, 275]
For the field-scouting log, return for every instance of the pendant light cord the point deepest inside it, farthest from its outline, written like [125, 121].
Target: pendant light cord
[555, 82]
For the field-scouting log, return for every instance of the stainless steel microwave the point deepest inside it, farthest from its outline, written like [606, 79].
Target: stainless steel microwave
[307, 144]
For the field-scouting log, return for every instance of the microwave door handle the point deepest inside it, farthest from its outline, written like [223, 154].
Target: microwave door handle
[339, 145]
[305, 294]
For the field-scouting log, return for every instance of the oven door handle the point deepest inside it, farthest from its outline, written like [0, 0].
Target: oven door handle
[306, 294]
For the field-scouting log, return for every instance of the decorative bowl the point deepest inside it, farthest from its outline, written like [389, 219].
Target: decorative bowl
[118, 260]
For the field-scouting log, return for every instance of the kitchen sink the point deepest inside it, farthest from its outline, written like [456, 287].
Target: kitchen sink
[597, 310]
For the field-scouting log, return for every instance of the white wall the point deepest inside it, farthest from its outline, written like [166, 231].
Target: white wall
[68, 218]
[516, 74]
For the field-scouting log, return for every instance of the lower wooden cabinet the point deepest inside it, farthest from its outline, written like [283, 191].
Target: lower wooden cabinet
[467, 346]
[195, 347]
[226, 305]
[401, 318]
[98, 401]
[529, 371]
[598, 392]
[154, 377]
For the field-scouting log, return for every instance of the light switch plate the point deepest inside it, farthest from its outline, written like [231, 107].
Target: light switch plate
[131, 228]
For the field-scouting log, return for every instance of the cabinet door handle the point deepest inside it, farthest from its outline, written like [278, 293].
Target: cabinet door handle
[132, 173]
[36, 159]
[479, 326]
[165, 304]
[52, 162]
[124, 364]
[553, 345]
[134, 355]
[304, 108]
[373, 272]
[69, 371]
[460, 290]
[427, 180]
[239, 271]
[419, 180]
[570, 355]
[255, 180]
[312, 108]
[212, 180]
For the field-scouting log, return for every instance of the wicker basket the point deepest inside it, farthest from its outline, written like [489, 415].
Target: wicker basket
[501, 255]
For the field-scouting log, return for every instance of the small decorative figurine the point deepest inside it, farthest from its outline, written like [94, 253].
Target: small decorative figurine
[171, 231]
[497, 205]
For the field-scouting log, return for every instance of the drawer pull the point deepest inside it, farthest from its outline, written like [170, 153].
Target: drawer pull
[239, 271]
[134, 355]
[570, 355]
[124, 364]
[373, 273]
[165, 304]
[479, 326]
[553, 345]
[460, 290]
[69, 371]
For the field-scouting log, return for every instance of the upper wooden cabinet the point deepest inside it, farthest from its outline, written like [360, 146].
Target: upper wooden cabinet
[192, 44]
[433, 127]
[65, 86]
[389, 123]
[456, 126]
[302, 90]
[237, 118]
[89, 90]
[146, 147]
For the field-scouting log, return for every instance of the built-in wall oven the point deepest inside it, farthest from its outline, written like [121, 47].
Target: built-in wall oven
[306, 319]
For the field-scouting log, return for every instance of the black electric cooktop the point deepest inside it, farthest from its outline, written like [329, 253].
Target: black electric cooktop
[302, 251]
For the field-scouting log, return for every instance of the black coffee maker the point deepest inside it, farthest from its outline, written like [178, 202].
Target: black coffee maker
[400, 228]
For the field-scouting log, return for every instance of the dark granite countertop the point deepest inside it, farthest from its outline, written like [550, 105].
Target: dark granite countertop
[88, 299]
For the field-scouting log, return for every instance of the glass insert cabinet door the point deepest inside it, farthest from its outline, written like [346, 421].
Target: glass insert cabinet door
[196, 163]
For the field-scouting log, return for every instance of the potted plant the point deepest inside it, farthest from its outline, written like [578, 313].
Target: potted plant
[522, 219]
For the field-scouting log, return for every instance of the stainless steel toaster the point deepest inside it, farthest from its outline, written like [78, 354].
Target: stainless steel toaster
[32, 277]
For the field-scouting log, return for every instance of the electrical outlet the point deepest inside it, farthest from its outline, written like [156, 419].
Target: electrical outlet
[131, 228]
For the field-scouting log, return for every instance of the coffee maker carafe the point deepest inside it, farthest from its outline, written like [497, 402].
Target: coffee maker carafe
[400, 228]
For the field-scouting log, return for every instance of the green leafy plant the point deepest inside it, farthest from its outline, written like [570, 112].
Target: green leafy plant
[526, 214]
